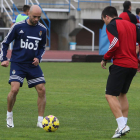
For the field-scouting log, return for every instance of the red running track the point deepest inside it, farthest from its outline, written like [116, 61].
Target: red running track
[56, 55]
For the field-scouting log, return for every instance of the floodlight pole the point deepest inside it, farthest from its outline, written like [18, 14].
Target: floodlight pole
[91, 32]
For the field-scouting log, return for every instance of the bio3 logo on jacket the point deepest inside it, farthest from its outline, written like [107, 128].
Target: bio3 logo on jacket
[29, 45]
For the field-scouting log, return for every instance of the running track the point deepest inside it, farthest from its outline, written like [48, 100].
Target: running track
[56, 55]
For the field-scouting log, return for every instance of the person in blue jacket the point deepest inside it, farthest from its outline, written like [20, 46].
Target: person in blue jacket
[29, 46]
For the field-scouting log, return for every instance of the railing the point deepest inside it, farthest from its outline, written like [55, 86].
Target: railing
[14, 10]
[57, 10]
[70, 5]
[4, 9]
[93, 34]
[110, 2]
[66, 6]
[133, 2]
[79, 1]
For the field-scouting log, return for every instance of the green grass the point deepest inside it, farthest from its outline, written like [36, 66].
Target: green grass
[76, 96]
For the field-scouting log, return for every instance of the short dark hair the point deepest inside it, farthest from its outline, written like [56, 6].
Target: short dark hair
[26, 8]
[110, 11]
[137, 10]
[126, 5]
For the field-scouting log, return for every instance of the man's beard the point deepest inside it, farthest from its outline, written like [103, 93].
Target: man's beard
[32, 22]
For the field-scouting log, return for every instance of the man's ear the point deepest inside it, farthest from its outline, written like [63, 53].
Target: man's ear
[107, 17]
[130, 8]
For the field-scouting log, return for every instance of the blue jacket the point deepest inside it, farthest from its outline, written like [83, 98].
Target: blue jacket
[29, 42]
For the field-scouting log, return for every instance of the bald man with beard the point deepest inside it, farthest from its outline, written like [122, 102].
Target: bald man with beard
[29, 46]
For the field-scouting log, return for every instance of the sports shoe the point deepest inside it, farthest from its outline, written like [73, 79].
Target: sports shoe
[39, 124]
[119, 133]
[10, 123]
[118, 130]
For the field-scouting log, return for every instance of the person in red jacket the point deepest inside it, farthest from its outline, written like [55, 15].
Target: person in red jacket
[122, 36]
[127, 15]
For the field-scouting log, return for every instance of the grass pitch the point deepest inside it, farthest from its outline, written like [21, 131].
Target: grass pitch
[76, 96]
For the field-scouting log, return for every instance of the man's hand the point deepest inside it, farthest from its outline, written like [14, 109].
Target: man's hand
[103, 64]
[36, 61]
[5, 63]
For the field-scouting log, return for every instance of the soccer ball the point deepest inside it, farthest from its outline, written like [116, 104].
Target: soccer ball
[50, 123]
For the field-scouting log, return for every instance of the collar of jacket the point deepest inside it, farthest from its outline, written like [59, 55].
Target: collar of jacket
[115, 19]
[125, 10]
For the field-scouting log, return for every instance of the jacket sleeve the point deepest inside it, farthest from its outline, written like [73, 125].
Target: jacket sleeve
[41, 48]
[133, 19]
[5, 44]
[113, 39]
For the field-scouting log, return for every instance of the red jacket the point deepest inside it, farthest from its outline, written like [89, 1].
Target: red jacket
[127, 15]
[122, 37]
